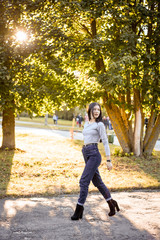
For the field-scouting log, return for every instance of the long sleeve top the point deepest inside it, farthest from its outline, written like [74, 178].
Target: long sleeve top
[93, 132]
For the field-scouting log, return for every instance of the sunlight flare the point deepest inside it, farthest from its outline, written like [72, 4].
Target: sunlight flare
[21, 36]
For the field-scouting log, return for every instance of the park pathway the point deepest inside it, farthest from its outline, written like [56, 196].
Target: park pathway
[41, 218]
[77, 135]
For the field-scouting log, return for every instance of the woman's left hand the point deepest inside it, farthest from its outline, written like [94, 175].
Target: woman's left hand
[109, 166]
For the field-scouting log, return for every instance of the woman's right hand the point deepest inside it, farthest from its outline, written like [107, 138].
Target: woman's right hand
[109, 166]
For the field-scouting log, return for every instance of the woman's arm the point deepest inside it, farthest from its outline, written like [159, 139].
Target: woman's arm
[103, 136]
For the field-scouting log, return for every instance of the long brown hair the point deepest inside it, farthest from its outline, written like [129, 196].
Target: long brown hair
[90, 110]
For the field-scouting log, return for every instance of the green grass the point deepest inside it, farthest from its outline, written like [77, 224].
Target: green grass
[43, 166]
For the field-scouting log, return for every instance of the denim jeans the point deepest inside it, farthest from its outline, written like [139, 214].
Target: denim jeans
[92, 159]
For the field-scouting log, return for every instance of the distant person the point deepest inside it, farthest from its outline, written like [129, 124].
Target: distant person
[80, 120]
[77, 120]
[146, 122]
[54, 118]
[107, 119]
[110, 125]
[93, 131]
[106, 122]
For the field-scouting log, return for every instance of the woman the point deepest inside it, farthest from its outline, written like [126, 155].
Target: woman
[94, 130]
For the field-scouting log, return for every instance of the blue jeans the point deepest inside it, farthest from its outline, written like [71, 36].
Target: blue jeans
[92, 159]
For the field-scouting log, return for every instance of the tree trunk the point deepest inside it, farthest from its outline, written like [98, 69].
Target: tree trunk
[8, 128]
[137, 124]
[153, 137]
[137, 133]
[150, 127]
[118, 126]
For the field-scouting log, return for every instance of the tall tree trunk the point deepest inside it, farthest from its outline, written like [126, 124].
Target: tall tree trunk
[8, 128]
[137, 133]
[149, 129]
[153, 137]
[118, 125]
[138, 123]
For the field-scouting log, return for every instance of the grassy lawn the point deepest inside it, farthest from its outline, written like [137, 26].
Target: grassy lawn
[44, 166]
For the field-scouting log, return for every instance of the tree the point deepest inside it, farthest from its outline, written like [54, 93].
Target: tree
[14, 93]
[31, 76]
[136, 58]
[116, 44]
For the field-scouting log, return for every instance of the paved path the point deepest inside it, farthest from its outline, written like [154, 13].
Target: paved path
[67, 134]
[49, 218]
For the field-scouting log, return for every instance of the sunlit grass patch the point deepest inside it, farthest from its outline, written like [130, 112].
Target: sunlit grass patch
[129, 172]
[44, 165]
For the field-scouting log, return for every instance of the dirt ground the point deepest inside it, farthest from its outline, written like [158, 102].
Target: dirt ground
[39, 218]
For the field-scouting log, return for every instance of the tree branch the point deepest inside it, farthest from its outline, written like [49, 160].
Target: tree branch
[86, 30]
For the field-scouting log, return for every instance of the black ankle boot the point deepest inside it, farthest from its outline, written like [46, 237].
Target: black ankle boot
[78, 214]
[113, 205]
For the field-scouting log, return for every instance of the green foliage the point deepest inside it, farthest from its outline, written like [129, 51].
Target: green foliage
[119, 153]
[33, 75]
[125, 36]
[68, 36]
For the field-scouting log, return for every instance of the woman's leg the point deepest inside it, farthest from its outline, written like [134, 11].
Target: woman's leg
[97, 181]
[113, 205]
[92, 163]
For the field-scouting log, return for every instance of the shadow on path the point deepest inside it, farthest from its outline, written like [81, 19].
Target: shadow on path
[49, 218]
[6, 162]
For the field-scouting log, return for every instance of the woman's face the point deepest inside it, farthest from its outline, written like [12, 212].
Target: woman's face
[96, 112]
